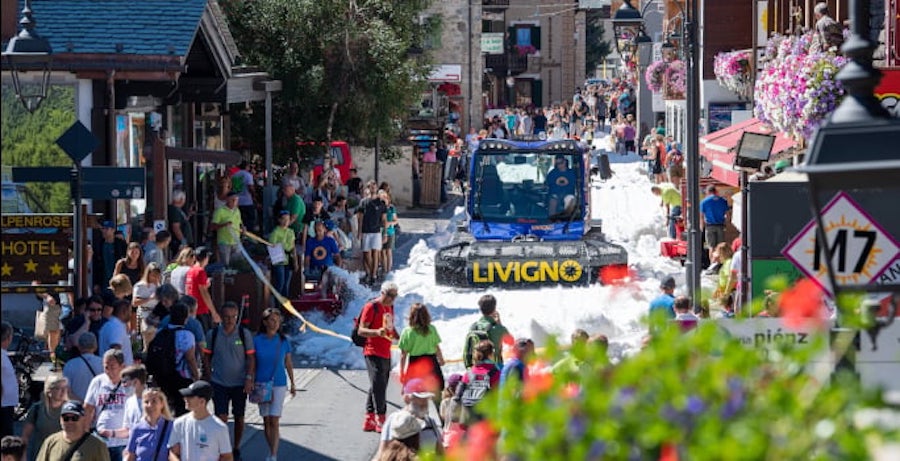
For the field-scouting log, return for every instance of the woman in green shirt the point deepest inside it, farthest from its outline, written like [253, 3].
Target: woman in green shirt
[282, 271]
[420, 347]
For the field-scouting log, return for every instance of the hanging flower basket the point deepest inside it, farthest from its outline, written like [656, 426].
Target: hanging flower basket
[525, 50]
[732, 71]
[676, 80]
[796, 87]
[655, 75]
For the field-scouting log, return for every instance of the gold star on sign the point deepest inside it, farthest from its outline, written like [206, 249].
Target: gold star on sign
[6, 270]
[31, 266]
[56, 269]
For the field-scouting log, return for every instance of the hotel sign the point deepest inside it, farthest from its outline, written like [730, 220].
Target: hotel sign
[34, 247]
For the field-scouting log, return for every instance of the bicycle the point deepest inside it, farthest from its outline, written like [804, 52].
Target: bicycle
[26, 357]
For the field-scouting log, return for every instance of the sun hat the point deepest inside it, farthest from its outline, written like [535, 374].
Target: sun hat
[405, 425]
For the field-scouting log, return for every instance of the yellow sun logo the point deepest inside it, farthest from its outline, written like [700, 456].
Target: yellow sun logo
[850, 267]
[570, 270]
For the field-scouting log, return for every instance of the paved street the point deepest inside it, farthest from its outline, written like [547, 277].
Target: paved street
[324, 420]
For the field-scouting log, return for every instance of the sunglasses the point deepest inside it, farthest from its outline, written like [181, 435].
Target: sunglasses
[71, 418]
[392, 294]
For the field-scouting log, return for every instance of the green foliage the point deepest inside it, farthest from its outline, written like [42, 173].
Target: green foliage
[701, 393]
[597, 48]
[345, 67]
[30, 140]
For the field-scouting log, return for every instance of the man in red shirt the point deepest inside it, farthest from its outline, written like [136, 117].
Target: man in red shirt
[196, 285]
[376, 324]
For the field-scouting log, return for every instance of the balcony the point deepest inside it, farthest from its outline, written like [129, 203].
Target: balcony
[513, 63]
[495, 5]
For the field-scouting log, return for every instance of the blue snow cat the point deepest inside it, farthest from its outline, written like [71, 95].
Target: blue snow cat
[528, 220]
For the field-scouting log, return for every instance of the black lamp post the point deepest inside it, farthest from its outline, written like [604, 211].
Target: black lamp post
[627, 26]
[628, 18]
[856, 151]
[25, 52]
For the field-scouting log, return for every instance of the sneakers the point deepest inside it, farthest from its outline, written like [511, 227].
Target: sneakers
[370, 424]
[379, 423]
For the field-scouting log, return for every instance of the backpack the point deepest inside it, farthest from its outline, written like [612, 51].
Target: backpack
[160, 357]
[237, 182]
[478, 386]
[478, 332]
[354, 335]
[215, 333]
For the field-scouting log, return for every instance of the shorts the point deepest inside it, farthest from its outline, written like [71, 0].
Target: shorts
[224, 394]
[276, 405]
[629, 145]
[371, 242]
[389, 242]
[715, 234]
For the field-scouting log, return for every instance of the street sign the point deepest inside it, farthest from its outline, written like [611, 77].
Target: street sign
[112, 174]
[42, 174]
[862, 250]
[112, 191]
[77, 142]
[113, 183]
[34, 247]
[492, 42]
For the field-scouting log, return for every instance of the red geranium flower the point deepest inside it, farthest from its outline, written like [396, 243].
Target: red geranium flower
[802, 305]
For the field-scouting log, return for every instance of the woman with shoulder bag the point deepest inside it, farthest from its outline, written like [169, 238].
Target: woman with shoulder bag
[149, 437]
[42, 419]
[283, 270]
[273, 368]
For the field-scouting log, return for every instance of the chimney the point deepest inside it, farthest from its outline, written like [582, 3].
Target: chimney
[9, 19]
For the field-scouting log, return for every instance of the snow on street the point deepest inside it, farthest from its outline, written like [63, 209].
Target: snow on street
[631, 217]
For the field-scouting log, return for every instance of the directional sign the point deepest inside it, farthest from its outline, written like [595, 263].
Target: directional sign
[112, 183]
[861, 249]
[78, 142]
[41, 174]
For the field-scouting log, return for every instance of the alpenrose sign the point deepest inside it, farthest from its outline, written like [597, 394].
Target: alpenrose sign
[34, 247]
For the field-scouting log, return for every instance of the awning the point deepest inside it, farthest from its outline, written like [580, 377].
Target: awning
[719, 148]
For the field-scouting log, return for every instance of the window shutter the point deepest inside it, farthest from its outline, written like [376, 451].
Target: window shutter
[537, 91]
[536, 37]
[510, 38]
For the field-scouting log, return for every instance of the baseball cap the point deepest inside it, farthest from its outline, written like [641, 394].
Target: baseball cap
[416, 387]
[405, 425]
[284, 212]
[72, 407]
[199, 388]
[108, 224]
[668, 282]
[232, 194]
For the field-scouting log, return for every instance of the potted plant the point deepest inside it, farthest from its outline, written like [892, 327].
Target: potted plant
[655, 75]
[676, 80]
[732, 69]
[796, 87]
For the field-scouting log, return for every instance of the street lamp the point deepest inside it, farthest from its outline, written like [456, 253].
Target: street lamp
[855, 151]
[25, 52]
[626, 19]
[627, 25]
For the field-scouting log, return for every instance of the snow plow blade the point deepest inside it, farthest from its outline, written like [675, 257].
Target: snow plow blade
[525, 264]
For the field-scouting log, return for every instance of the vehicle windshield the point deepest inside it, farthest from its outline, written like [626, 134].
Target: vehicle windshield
[527, 186]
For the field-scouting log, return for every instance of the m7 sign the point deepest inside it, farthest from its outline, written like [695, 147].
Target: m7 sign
[860, 248]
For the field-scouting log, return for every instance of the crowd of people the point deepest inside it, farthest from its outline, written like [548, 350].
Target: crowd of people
[157, 409]
[491, 357]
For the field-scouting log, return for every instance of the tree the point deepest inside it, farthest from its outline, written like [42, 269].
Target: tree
[344, 65]
[597, 48]
[30, 140]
